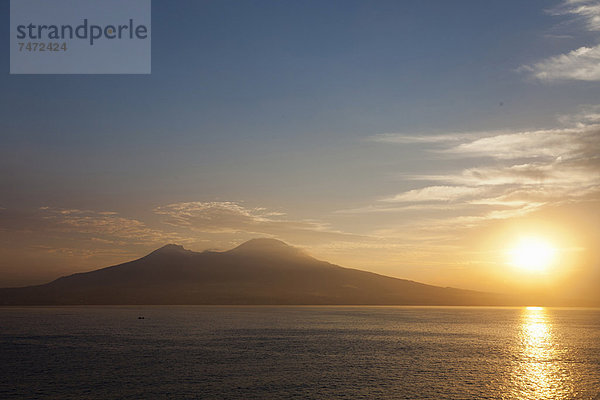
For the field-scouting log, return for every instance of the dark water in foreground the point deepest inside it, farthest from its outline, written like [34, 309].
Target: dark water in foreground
[299, 353]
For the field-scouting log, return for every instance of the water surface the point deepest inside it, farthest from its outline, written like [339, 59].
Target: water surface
[195, 352]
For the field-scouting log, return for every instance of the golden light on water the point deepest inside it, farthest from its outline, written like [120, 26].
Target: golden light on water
[532, 254]
[538, 374]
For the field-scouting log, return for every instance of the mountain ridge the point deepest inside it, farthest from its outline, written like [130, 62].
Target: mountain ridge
[259, 271]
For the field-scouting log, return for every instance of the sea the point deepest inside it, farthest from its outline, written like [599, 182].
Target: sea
[214, 352]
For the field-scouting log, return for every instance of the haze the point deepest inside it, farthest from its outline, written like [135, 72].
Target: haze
[420, 140]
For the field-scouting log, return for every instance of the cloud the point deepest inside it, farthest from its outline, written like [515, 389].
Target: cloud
[37, 245]
[543, 144]
[212, 216]
[564, 162]
[497, 214]
[586, 116]
[378, 208]
[86, 227]
[581, 64]
[435, 193]
[234, 218]
[578, 136]
[511, 174]
[99, 226]
[400, 138]
[191, 223]
[585, 12]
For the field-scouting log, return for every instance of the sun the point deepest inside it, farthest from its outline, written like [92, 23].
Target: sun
[532, 254]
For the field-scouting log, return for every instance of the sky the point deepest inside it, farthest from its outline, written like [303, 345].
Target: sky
[416, 139]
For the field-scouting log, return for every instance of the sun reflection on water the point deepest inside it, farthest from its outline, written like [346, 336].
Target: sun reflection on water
[538, 373]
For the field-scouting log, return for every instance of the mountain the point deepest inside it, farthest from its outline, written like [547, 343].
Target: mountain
[260, 271]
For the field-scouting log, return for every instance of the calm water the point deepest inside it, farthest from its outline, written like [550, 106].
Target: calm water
[299, 353]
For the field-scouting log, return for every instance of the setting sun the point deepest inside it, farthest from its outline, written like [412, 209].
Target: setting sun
[532, 254]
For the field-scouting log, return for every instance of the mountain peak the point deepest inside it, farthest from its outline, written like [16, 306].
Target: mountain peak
[266, 246]
[171, 249]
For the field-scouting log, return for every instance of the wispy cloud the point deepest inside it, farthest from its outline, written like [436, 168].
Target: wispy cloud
[99, 226]
[586, 116]
[48, 242]
[581, 64]
[585, 12]
[532, 144]
[435, 193]
[185, 223]
[497, 214]
[400, 138]
[212, 216]
[512, 174]
[548, 146]
[235, 218]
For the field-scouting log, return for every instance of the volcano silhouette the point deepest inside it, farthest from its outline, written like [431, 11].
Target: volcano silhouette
[260, 271]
